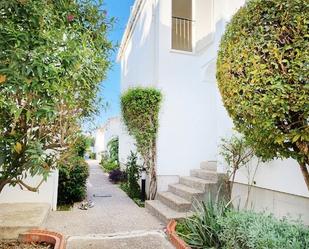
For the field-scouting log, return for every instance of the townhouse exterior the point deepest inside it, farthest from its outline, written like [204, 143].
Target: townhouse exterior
[109, 130]
[172, 45]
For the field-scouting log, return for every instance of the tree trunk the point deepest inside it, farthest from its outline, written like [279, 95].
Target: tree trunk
[3, 183]
[304, 170]
[153, 184]
[153, 173]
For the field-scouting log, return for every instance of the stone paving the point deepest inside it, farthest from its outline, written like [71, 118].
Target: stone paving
[115, 215]
[16, 218]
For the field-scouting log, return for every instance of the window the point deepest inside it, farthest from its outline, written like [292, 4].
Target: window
[182, 25]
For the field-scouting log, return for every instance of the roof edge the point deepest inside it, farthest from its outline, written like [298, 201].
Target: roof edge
[136, 9]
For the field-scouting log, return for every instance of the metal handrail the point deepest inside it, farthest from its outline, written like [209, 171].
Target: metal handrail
[182, 33]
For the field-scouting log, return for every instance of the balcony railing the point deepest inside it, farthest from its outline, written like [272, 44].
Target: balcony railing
[182, 33]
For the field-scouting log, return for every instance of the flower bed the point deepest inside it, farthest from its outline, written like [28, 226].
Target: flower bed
[220, 226]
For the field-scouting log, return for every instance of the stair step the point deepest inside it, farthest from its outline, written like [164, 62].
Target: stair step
[174, 201]
[186, 192]
[209, 165]
[163, 212]
[204, 174]
[196, 183]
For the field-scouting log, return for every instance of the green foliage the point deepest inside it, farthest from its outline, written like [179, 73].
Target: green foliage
[219, 226]
[237, 153]
[263, 71]
[140, 111]
[133, 170]
[92, 155]
[110, 161]
[82, 144]
[113, 149]
[203, 229]
[73, 175]
[251, 230]
[54, 54]
[108, 165]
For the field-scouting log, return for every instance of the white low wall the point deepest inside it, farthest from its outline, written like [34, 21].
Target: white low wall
[47, 192]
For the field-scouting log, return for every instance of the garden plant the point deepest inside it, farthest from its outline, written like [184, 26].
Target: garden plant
[263, 72]
[140, 111]
[73, 172]
[219, 226]
[110, 160]
[54, 54]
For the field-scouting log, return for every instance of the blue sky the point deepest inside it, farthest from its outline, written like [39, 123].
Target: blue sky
[120, 9]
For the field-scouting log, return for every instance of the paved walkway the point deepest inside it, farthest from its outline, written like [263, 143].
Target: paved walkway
[114, 215]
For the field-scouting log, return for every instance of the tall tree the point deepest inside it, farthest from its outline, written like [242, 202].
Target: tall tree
[263, 76]
[54, 54]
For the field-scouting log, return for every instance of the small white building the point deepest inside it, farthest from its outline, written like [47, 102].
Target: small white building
[172, 45]
[104, 134]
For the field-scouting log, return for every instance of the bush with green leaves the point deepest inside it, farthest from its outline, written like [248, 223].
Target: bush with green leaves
[133, 171]
[113, 149]
[110, 160]
[140, 111]
[54, 55]
[250, 230]
[237, 153]
[218, 226]
[73, 174]
[82, 144]
[263, 72]
[203, 229]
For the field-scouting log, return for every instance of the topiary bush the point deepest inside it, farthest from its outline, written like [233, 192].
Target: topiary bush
[263, 72]
[73, 175]
[140, 111]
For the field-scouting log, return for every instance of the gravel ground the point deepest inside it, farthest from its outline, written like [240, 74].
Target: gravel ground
[17, 245]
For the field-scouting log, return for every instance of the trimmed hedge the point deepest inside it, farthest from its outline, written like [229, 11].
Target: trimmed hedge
[140, 111]
[263, 73]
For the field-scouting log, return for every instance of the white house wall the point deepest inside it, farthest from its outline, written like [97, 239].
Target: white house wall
[105, 134]
[138, 64]
[47, 192]
[99, 143]
[193, 119]
[112, 130]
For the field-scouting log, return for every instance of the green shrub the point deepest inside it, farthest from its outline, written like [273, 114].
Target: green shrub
[131, 186]
[262, 73]
[140, 111]
[81, 144]
[218, 226]
[72, 180]
[113, 149]
[107, 164]
[251, 230]
[92, 155]
[203, 229]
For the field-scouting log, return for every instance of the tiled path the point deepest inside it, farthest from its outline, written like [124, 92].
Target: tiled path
[117, 215]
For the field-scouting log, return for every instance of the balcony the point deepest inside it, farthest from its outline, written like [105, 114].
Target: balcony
[182, 34]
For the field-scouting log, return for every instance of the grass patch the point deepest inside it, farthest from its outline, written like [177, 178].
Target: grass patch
[64, 207]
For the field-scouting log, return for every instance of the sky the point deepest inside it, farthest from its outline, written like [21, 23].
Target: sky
[120, 9]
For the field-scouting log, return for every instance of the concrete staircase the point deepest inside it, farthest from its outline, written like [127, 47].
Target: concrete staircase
[178, 201]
